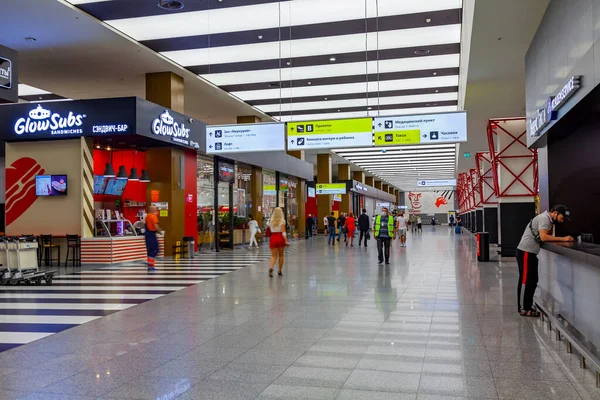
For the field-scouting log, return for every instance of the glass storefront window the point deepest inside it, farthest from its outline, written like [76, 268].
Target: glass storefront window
[269, 195]
[243, 194]
[205, 193]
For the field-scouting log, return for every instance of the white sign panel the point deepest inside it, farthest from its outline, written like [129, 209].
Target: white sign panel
[222, 139]
[438, 182]
[420, 129]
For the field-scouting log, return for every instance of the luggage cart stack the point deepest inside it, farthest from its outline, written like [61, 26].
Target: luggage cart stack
[18, 257]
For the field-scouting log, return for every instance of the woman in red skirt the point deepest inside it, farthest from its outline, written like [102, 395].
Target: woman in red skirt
[278, 239]
[350, 228]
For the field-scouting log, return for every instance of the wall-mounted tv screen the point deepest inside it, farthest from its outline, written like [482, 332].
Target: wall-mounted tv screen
[51, 185]
[115, 187]
[99, 184]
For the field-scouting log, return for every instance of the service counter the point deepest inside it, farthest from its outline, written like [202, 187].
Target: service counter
[569, 288]
[113, 250]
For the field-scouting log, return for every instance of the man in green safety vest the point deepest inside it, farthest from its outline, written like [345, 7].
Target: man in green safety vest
[384, 233]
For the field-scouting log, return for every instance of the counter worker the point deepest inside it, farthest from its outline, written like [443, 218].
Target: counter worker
[384, 233]
[538, 230]
[152, 228]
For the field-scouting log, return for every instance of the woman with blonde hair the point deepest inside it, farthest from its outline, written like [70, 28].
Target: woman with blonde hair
[278, 240]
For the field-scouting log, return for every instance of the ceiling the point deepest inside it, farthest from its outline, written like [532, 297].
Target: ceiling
[502, 33]
[352, 58]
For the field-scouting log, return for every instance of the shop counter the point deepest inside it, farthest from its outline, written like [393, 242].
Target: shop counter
[118, 249]
[569, 288]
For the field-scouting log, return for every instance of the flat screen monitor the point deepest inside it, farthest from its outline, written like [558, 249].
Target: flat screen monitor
[59, 185]
[43, 185]
[100, 184]
[115, 187]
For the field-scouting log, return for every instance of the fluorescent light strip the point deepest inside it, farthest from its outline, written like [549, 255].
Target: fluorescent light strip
[272, 15]
[372, 113]
[396, 148]
[425, 165]
[407, 153]
[399, 156]
[373, 102]
[399, 159]
[26, 90]
[428, 36]
[346, 88]
[324, 71]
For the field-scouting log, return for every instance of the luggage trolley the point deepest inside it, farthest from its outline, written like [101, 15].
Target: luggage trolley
[23, 253]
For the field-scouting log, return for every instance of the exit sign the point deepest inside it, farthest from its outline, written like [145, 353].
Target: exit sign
[467, 155]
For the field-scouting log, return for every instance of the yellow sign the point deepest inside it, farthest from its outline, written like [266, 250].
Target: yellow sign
[397, 137]
[164, 213]
[308, 135]
[331, 188]
[330, 126]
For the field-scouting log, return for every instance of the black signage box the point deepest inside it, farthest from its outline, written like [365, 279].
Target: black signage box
[9, 75]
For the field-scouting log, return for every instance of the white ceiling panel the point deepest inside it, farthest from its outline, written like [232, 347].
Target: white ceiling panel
[371, 113]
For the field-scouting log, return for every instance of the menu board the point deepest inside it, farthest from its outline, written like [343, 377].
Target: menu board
[115, 187]
[99, 184]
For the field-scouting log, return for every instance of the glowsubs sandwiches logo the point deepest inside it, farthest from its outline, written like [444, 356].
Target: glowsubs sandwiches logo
[41, 120]
[165, 125]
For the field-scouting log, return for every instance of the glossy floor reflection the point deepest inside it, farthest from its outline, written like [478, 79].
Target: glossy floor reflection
[434, 324]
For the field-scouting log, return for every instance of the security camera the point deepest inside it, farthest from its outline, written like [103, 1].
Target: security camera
[191, 120]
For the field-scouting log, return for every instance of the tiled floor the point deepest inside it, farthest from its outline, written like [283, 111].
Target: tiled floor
[80, 295]
[433, 325]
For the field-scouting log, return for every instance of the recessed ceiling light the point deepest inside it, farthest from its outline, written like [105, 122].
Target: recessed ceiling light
[288, 63]
[422, 52]
[437, 91]
[325, 98]
[30, 39]
[310, 83]
[435, 73]
[331, 59]
[338, 110]
[170, 5]
[428, 20]
[369, 108]
[260, 36]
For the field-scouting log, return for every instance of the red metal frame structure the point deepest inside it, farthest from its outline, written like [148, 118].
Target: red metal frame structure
[476, 185]
[463, 193]
[497, 158]
[486, 178]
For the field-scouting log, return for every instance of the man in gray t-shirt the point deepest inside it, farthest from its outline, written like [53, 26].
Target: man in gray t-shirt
[537, 231]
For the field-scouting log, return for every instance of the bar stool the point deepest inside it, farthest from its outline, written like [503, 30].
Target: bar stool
[47, 246]
[73, 246]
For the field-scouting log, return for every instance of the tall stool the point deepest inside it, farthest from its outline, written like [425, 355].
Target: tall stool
[47, 250]
[73, 247]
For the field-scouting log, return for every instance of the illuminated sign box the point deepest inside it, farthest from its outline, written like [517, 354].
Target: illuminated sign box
[309, 135]
[331, 188]
[420, 129]
[438, 182]
[223, 139]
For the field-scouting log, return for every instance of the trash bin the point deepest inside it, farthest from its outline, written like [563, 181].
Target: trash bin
[483, 246]
[188, 241]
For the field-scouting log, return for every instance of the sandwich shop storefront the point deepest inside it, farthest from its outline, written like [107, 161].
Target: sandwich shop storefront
[91, 168]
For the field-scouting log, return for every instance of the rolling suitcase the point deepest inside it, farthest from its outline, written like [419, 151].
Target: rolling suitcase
[457, 229]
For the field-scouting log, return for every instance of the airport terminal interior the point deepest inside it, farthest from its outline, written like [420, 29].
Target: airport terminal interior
[299, 199]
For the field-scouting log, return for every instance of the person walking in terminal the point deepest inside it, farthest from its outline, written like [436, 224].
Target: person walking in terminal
[364, 225]
[350, 228]
[278, 240]
[341, 223]
[402, 227]
[538, 230]
[309, 226]
[254, 229]
[152, 228]
[330, 227]
[384, 233]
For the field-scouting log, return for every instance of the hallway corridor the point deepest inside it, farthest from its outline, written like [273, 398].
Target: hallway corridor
[433, 325]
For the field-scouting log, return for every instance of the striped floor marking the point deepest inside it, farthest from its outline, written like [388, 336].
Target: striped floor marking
[29, 313]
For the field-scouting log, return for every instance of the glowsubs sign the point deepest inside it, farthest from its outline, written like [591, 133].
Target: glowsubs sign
[543, 116]
[41, 120]
[165, 125]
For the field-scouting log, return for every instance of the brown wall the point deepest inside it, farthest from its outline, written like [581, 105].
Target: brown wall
[58, 215]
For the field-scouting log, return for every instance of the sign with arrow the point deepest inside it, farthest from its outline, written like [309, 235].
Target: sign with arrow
[223, 139]
[421, 129]
[331, 188]
[328, 134]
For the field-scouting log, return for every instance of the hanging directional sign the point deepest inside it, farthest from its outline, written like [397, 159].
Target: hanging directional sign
[330, 134]
[437, 182]
[221, 139]
[331, 188]
[421, 129]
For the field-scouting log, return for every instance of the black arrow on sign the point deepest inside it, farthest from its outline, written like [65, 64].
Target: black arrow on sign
[292, 141]
[210, 147]
[380, 124]
[292, 129]
[210, 134]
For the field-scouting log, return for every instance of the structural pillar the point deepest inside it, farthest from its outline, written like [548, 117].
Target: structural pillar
[358, 176]
[323, 176]
[167, 165]
[256, 188]
[370, 181]
[344, 174]
[301, 197]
